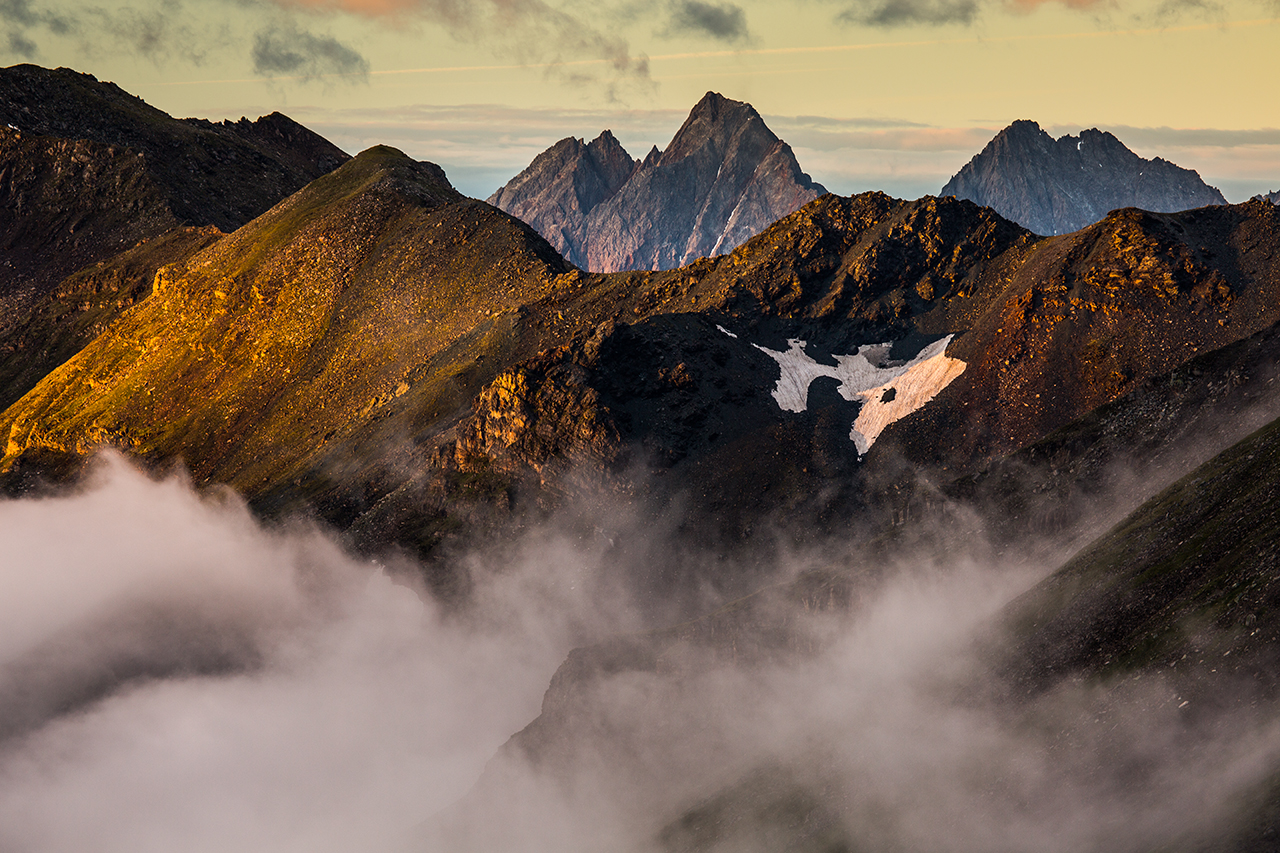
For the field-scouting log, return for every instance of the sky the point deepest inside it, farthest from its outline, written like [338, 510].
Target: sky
[894, 95]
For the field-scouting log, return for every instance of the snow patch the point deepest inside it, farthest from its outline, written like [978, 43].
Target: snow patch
[899, 397]
[726, 331]
[868, 374]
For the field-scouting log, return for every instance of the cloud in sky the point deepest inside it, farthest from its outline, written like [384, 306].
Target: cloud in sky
[530, 31]
[1074, 4]
[897, 13]
[723, 21]
[20, 17]
[903, 13]
[286, 49]
[283, 37]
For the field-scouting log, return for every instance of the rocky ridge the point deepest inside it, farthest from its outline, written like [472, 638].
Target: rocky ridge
[221, 174]
[671, 372]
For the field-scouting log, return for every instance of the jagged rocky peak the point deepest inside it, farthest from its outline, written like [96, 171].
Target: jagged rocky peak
[1273, 197]
[718, 122]
[563, 184]
[724, 178]
[1059, 186]
[596, 169]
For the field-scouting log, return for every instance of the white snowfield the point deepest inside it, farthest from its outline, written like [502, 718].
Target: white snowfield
[923, 379]
[867, 374]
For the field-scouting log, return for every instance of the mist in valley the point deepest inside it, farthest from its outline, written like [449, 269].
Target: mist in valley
[175, 675]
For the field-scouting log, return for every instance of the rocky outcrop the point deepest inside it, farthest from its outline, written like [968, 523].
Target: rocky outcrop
[1273, 197]
[724, 178]
[1059, 186]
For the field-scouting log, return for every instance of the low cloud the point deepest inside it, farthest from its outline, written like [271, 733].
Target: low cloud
[287, 50]
[723, 21]
[212, 685]
[176, 676]
[888, 739]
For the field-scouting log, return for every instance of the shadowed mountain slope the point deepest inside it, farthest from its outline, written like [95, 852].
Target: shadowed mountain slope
[1074, 481]
[724, 178]
[1174, 609]
[1189, 571]
[221, 174]
[1088, 316]
[1059, 186]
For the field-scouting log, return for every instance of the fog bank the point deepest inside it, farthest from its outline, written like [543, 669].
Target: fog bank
[175, 677]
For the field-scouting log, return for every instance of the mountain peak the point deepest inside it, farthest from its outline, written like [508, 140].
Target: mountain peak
[384, 167]
[1059, 186]
[716, 121]
[711, 103]
[1022, 127]
[210, 174]
[724, 178]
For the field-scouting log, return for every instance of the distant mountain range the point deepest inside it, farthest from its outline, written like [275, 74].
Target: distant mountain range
[897, 383]
[1058, 186]
[724, 178]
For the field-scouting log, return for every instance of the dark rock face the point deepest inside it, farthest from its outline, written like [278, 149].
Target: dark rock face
[724, 178]
[1059, 186]
[65, 204]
